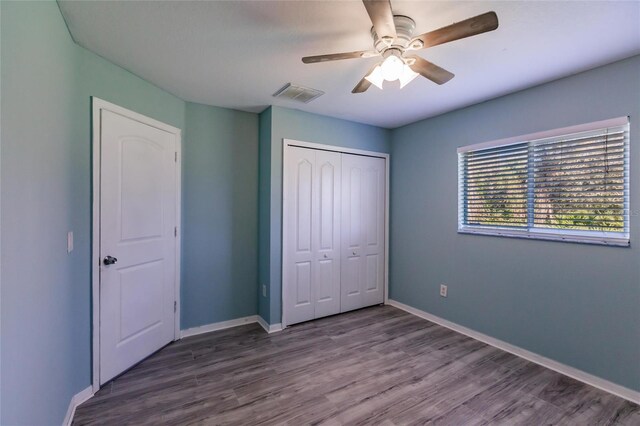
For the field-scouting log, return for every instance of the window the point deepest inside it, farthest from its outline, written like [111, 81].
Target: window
[569, 184]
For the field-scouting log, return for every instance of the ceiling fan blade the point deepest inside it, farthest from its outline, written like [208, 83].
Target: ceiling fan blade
[339, 56]
[467, 28]
[364, 84]
[431, 71]
[382, 18]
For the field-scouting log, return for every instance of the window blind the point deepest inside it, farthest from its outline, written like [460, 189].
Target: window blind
[495, 186]
[567, 186]
[581, 182]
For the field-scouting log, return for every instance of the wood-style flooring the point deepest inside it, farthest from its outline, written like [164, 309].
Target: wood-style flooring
[376, 366]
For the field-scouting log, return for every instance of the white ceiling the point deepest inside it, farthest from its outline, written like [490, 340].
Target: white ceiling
[236, 54]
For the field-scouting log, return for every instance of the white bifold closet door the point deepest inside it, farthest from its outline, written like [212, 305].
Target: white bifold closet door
[312, 250]
[362, 236]
[333, 247]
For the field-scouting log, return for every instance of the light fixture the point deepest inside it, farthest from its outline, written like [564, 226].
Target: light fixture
[376, 77]
[393, 68]
[407, 75]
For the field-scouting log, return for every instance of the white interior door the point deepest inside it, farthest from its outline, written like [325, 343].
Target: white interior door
[362, 236]
[311, 250]
[137, 223]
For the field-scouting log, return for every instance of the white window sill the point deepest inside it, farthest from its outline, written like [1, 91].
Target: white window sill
[584, 237]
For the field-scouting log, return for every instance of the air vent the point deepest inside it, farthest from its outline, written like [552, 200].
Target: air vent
[298, 93]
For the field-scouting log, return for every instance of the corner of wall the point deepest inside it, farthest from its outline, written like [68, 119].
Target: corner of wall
[264, 213]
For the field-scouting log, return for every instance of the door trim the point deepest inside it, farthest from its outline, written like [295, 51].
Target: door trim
[286, 144]
[97, 105]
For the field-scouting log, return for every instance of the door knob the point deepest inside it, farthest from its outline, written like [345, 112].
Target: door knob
[354, 253]
[325, 255]
[109, 260]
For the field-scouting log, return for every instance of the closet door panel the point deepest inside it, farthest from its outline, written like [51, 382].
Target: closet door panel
[303, 207]
[363, 226]
[326, 233]
[302, 285]
[333, 248]
[352, 278]
[354, 203]
[298, 247]
[373, 217]
[329, 203]
[370, 212]
[372, 266]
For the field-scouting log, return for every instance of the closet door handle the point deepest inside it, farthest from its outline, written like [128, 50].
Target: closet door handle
[354, 253]
[325, 256]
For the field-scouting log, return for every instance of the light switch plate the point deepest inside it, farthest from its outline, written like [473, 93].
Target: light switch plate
[69, 241]
[264, 290]
[443, 290]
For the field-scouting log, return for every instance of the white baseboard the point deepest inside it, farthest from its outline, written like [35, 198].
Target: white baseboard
[76, 400]
[218, 326]
[269, 328]
[590, 379]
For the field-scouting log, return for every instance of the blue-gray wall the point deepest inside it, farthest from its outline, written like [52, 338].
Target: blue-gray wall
[44, 333]
[575, 303]
[219, 216]
[47, 82]
[293, 124]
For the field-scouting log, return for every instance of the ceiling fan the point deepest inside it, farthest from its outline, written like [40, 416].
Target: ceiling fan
[393, 39]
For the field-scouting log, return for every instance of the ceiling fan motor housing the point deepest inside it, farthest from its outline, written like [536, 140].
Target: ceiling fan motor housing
[404, 34]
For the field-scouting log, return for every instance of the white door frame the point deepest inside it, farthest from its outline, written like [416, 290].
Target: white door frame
[286, 144]
[97, 106]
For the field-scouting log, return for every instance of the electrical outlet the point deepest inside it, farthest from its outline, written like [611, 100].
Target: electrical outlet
[264, 290]
[443, 290]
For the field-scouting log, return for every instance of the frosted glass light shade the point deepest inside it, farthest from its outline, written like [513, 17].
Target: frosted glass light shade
[375, 77]
[392, 68]
[407, 76]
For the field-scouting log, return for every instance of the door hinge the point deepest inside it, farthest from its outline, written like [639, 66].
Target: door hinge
[175, 306]
[175, 231]
[176, 156]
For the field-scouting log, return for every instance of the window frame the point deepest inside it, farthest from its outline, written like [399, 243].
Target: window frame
[566, 235]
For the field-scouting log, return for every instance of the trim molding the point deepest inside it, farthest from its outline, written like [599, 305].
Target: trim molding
[76, 400]
[194, 331]
[590, 379]
[269, 328]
